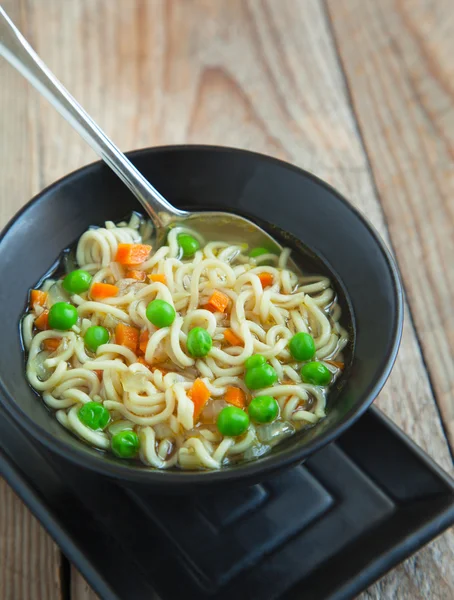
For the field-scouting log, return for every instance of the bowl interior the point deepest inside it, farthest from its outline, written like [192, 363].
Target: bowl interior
[213, 178]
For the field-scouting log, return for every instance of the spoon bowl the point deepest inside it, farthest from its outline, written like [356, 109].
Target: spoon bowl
[229, 227]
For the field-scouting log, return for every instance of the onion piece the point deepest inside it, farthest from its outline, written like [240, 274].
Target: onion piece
[273, 433]
[165, 449]
[120, 425]
[256, 451]
[211, 411]
[42, 371]
[134, 382]
[69, 260]
[162, 430]
[125, 286]
[110, 322]
[56, 294]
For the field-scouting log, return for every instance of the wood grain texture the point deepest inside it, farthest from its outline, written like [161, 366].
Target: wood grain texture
[18, 132]
[257, 74]
[402, 86]
[29, 560]
[80, 590]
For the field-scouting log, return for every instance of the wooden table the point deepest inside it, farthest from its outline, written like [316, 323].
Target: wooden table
[360, 92]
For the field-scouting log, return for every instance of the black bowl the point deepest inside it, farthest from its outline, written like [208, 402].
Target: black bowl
[214, 178]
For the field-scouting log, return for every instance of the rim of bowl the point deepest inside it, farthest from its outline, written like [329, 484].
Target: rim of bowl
[247, 470]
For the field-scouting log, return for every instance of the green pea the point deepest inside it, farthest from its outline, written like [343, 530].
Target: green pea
[160, 313]
[199, 342]
[94, 415]
[77, 282]
[263, 409]
[188, 244]
[125, 444]
[316, 373]
[260, 377]
[256, 360]
[258, 252]
[62, 316]
[95, 336]
[232, 421]
[302, 346]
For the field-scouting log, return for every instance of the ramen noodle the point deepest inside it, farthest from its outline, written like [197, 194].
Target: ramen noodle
[197, 355]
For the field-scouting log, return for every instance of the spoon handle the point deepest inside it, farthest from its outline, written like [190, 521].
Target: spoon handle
[18, 52]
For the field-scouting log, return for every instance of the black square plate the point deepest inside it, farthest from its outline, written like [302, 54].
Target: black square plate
[326, 529]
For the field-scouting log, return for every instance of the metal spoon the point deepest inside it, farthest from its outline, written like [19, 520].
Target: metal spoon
[224, 226]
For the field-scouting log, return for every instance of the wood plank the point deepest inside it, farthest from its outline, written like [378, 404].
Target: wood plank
[18, 126]
[80, 590]
[403, 93]
[29, 560]
[258, 74]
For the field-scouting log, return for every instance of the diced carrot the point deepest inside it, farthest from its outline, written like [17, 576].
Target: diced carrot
[135, 274]
[231, 337]
[132, 254]
[127, 336]
[217, 302]
[99, 291]
[143, 341]
[42, 322]
[159, 277]
[335, 363]
[235, 396]
[37, 297]
[266, 279]
[199, 396]
[51, 344]
[99, 374]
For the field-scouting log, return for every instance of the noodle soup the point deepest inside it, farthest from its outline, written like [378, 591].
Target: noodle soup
[197, 355]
